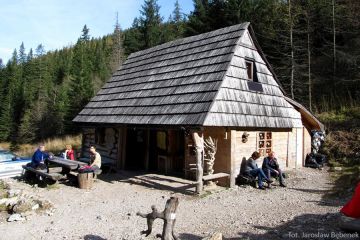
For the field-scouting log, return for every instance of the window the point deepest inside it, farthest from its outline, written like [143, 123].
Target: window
[265, 143]
[100, 135]
[253, 82]
[250, 70]
[161, 140]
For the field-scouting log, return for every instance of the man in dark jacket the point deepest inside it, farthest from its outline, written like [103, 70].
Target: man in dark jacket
[252, 169]
[39, 157]
[271, 167]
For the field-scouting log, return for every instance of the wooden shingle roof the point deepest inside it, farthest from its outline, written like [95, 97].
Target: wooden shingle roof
[199, 80]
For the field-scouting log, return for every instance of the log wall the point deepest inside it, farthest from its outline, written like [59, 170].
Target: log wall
[109, 149]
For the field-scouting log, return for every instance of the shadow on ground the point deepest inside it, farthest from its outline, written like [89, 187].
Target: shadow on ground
[93, 237]
[152, 181]
[344, 183]
[307, 226]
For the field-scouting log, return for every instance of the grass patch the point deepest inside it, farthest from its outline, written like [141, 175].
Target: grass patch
[344, 119]
[345, 180]
[3, 189]
[342, 148]
[54, 145]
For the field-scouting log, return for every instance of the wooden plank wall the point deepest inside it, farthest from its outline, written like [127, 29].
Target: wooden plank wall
[223, 154]
[299, 147]
[284, 153]
[307, 143]
[244, 150]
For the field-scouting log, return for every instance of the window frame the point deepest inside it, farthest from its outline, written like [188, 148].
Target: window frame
[265, 138]
[251, 63]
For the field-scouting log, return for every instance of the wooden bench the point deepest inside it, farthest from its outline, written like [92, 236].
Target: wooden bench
[53, 176]
[104, 163]
[215, 176]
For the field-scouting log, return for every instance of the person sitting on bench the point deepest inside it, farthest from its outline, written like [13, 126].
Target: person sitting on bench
[95, 159]
[271, 167]
[252, 169]
[39, 157]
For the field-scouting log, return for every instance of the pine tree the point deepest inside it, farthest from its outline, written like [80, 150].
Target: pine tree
[81, 85]
[22, 54]
[117, 56]
[198, 21]
[85, 37]
[176, 24]
[133, 40]
[150, 22]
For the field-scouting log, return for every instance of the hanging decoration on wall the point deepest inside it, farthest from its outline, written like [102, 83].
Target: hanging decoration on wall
[245, 137]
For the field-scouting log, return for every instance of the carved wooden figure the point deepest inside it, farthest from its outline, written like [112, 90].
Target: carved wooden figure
[210, 151]
[168, 215]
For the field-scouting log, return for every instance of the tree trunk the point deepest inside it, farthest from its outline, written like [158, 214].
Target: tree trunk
[199, 148]
[292, 52]
[309, 61]
[168, 215]
[334, 40]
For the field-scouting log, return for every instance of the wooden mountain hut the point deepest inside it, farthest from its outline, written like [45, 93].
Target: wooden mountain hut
[154, 113]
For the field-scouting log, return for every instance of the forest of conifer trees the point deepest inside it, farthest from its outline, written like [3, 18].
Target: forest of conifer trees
[313, 46]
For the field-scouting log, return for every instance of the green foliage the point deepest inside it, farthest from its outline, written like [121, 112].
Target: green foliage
[343, 119]
[150, 23]
[41, 93]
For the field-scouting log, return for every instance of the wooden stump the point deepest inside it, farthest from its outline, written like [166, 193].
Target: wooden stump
[168, 215]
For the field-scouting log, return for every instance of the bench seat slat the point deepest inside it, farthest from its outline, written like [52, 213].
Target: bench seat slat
[53, 176]
[215, 176]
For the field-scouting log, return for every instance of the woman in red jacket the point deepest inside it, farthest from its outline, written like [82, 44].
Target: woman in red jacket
[69, 152]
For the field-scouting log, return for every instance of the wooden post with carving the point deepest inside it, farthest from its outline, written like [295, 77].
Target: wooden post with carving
[199, 148]
[168, 215]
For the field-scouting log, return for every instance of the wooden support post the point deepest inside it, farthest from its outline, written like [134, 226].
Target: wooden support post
[231, 166]
[124, 143]
[119, 149]
[168, 215]
[199, 148]
[147, 148]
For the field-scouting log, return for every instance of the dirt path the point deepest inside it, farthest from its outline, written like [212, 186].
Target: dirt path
[108, 211]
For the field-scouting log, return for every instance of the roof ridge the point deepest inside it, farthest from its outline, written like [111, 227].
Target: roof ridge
[168, 44]
[247, 24]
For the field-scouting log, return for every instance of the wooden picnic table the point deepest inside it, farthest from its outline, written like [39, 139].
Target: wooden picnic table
[68, 164]
[67, 168]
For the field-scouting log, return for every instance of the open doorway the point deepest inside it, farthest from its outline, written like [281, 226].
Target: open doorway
[135, 149]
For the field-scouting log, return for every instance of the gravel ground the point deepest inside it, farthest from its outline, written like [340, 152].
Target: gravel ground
[108, 211]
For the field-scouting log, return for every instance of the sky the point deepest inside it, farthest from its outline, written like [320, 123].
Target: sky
[58, 23]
